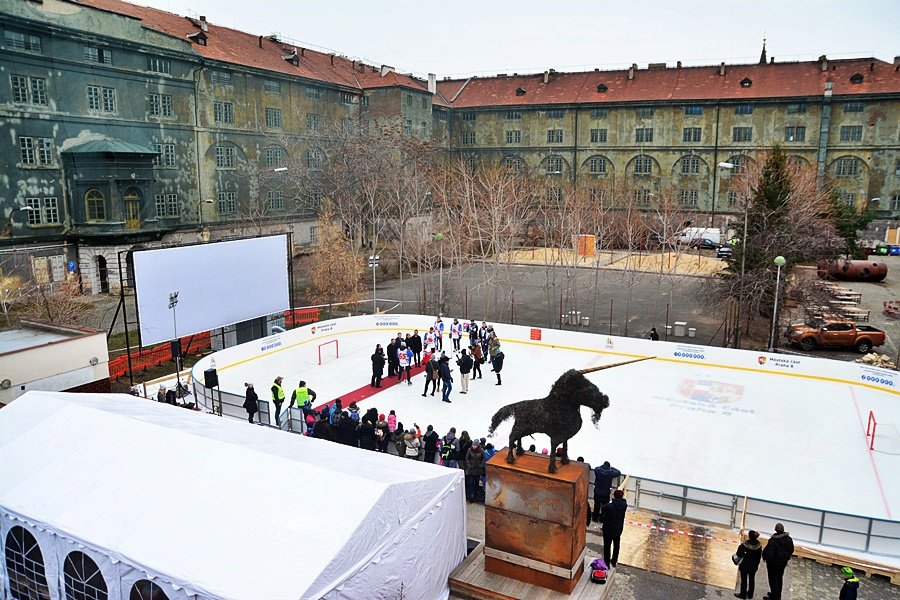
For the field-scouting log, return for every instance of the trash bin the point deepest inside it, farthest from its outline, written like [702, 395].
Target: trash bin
[882, 249]
[585, 321]
[692, 332]
[668, 330]
[680, 328]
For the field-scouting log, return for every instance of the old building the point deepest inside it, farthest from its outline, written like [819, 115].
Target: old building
[134, 126]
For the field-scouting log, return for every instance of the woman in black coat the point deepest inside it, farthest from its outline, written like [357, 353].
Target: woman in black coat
[251, 401]
[346, 430]
[749, 553]
[465, 442]
[366, 433]
[377, 366]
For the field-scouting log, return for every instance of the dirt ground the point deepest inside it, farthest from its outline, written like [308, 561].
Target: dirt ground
[670, 263]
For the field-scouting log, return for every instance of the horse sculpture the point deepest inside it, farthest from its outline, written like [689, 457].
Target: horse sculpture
[558, 415]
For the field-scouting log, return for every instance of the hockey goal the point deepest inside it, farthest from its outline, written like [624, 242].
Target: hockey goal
[882, 437]
[328, 350]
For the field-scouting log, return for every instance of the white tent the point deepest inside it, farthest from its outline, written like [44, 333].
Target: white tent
[213, 508]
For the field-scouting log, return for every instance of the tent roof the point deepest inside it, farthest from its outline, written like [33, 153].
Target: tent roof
[189, 497]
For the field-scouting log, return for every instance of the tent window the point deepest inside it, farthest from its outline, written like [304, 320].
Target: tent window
[25, 565]
[83, 579]
[146, 590]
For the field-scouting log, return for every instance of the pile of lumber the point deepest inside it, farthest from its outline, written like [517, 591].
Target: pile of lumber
[877, 360]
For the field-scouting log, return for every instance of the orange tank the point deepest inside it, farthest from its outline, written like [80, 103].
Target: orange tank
[853, 270]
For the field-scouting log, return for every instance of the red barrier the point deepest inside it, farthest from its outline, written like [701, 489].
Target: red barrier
[300, 316]
[157, 355]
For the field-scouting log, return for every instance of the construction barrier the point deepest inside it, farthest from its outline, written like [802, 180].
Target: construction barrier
[157, 355]
[300, 316]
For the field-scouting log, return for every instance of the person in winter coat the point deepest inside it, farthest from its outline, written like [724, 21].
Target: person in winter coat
[603, 478]
[382, 434]
[477, 360]
[489, 452]
[455, 334]
[323, 430]
[366, 434]
[851, 584]
[354, 412]
[161, 394]
[430, 444]
[371, 415]
[431, 375]
[377, 366]
[450, 449]
[613, 518]
[392, 421]
[397, 440]
[473, 333]
[465, 442]
[750, 553]
[497, 362]
[465, 363]
[484, 337]
[251, 401]
[278, 398]
[493, 345]
[446, 377]
[777, 553]
[345, 430]
[391, 353]
[411, 445]
[415, 344]
[474, 471]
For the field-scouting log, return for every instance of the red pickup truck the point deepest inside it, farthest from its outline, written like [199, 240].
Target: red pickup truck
[848, 334]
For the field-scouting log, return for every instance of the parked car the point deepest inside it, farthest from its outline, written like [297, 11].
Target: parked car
[724, 252]
[815, 333]
[704, 244]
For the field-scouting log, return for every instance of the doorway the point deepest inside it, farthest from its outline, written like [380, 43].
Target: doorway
[132, 198]
[103, 274]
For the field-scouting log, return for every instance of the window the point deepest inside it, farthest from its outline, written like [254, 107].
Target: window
[514, 137]
[688, 197]
[643, 165]
[160, 105]
[847, 167]
[691, 134]
[690, 165]
[554, 136]
[274, 156]
[166, 205]
[743, 109]
[513, 115]
[312, 93]
[424, 128]
[314, 199]
[25, 566]
[742, 134]
[597, 165]
[895, 202]
[554, 165]
[146, 590]
[44, 211]
[556, 113]
[520, 91]
[851, 133]
[29, 90]
[221, 78]
[468, 116]
[225, 157]
[100, 56]
[795, 134]
[159, 65]
[314, 234]
[223, 112]
[468, 137]
[796, 109]
[409, 100]
[227, 203]
[313, 122]
[442, 115]
[424, 103]
[693, 111]
[275, 200]
[513, 163]
[596, 194]
[101, 98]
[471, 165]
[36, 150]
[554, 194]
[272, 87]
[166, 156]
[642, 196]
[314, 159]
[407, 129]
[95, 205]
[599, 113]
[643, 134]
[644, 112]
[273, 118]
[598, 136]
[853, 107]
[848, 198]
[897, 167]
[732, 199]
[347, 98]
[26, 42]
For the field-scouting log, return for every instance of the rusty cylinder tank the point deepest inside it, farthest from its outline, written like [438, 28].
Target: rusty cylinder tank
[853, 270]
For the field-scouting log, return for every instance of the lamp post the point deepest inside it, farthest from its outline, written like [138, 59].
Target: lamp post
[200, 212]
[176, 345]
[27, 209]
[439, 237]
[373, 263]
[717, 186]
[779, 262]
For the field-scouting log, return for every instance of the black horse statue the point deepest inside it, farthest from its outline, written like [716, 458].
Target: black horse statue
[558, 415]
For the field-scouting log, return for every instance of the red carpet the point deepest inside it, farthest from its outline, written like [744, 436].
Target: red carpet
[368, 391]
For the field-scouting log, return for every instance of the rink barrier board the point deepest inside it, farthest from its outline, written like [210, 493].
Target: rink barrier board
[843, 531]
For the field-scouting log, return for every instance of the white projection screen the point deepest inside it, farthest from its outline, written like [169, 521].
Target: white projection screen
[218, 284]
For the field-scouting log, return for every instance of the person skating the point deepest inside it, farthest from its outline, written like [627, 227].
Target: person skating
[278, 398]
[465, 367]
[484, 337]
[377, 366]
[477, 360]
[404, 358]
[603, 479]
[498, 365]
[446, 377]
[415, 344]
[613, 518]
[455, 334]
[438, 333]
[450, 449]
[429, 444]
[777, 553]
[251, 401]
[851, 585]
[429, 341]
[474, 471]
[431, 375]
[749, 553]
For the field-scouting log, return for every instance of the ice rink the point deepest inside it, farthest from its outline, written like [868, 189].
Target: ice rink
[774, 427]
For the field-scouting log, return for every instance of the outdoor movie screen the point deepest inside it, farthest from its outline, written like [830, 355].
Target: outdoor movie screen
[218, 284]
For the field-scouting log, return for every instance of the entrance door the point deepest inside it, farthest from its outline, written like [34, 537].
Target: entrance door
[132, 200]
[103, 273]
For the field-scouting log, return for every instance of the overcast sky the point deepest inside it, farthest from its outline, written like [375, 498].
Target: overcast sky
[487, 37]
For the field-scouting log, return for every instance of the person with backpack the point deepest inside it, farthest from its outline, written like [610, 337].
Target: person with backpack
[430, 440]
[749, 554]
[450, 449]
[465, 364]
[397, 438]
[851, 585]
[777, 553]
[354, 412]
[336, 410]
[473, 333]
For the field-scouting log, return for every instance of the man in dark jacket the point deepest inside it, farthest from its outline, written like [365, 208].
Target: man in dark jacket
[851, 584]
[430, 443]
[346, 430]
[377, 366]
[415, 344]
[392, 360]
[431, 375]
[613, 517]
[446, 378]
[465, 367]
[497, 363]
[322, 429]
[603, 478]
[777, 553]
[366, 433]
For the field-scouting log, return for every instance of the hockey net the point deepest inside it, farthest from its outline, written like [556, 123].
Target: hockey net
[882, 437]
[328, 351]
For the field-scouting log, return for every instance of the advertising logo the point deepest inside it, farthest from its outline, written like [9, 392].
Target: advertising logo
[387, 323]
[313, 330]
[761, 360]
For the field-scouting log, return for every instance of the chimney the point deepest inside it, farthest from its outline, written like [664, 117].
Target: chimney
[631, 71]
[546, 76]
[721, 69]
[771, 60]
[678, 65]
[385, 69]
[203, 24]
[823, 62]
[432, 83]
[897, 61]
[871, 67]
[260, 41]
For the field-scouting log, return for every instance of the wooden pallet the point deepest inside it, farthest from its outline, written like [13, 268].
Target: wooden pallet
[836, 559]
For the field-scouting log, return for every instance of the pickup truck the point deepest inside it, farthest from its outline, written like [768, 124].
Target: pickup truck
[848, 334]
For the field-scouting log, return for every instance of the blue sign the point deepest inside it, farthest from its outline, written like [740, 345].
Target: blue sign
[71, 266]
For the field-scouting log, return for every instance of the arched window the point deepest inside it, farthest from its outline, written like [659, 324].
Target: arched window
[25, 565]
[146, 590]
[95, 205]
[83, 579]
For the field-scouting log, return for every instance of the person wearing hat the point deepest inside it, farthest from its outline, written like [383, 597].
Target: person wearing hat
[749, 553]
[851, 584]
[613, 518]
[278, 398]
[474, 470]
[777, 553]
[404, 360]
[446, 377]
[251, 401]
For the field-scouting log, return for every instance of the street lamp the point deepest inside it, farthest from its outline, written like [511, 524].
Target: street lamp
[779, 262]
[373, 263]
[716, 187]
[200, 212]
[176, 345]
[27, 209]
[439, 237]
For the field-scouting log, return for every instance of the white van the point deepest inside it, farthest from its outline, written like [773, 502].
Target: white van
[690, 234]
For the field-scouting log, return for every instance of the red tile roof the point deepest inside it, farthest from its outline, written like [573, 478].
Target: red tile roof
[777, 80]
[241, 48]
